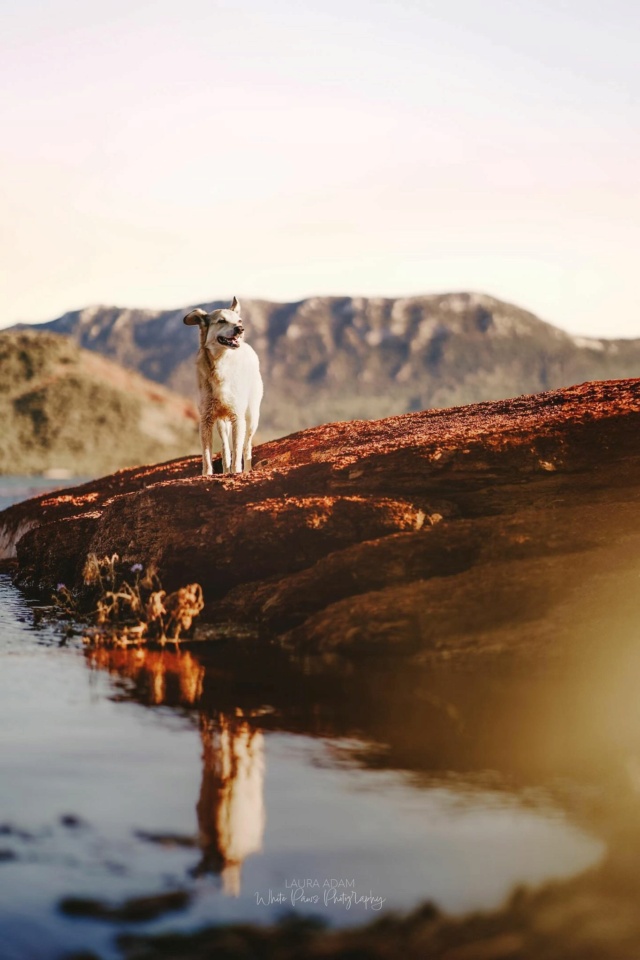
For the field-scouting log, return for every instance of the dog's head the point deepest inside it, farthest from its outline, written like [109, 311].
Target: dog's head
[220, 328]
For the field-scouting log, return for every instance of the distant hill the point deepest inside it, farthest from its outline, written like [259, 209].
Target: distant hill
[339, 358]
[66, 409]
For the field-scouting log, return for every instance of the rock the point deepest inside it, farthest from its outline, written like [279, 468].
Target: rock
[441, 533]
[134, 910]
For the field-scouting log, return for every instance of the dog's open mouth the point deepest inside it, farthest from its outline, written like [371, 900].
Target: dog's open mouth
[229, 341]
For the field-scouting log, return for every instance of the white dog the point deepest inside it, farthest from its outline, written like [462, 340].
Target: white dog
[230, 387]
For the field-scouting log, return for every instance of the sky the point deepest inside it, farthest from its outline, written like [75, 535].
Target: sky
[159, 154]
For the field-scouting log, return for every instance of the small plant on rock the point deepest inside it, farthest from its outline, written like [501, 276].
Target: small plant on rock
[131, 608]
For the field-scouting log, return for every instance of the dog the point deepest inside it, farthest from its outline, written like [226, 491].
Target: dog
[230, 387]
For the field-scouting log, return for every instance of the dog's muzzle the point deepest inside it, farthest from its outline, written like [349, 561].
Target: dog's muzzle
[233, 342]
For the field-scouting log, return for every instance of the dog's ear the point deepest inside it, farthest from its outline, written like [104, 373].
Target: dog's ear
[196, 318]
[235, 305]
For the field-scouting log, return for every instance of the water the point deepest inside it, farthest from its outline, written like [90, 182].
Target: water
[257, 786]
[14, 489]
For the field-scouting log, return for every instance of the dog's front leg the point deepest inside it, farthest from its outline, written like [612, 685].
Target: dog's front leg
[224, 429]
[238, 431]
[206, 431]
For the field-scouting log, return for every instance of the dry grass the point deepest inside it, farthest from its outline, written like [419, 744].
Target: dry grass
[130, 608]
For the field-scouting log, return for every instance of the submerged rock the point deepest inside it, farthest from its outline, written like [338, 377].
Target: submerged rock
[507, 526]
[136, 909]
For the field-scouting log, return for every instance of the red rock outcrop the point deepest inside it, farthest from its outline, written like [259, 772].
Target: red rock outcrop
[489, 527]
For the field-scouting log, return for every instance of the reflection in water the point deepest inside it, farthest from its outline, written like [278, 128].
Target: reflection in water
[155, 799]
[533, 770]
[230, 807]
[478, 741]
[160, 676]
[540, 728]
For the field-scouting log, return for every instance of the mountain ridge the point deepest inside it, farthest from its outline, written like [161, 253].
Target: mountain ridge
[340, 358]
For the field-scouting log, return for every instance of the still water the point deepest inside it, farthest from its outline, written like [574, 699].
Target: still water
[257, 786]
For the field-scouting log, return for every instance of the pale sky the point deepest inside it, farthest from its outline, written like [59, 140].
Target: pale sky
[158, 154]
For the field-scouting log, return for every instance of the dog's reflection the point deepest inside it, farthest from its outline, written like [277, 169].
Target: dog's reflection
[230, 807]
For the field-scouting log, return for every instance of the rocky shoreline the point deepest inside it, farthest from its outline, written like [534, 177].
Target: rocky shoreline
[502, 531]
[492, 528]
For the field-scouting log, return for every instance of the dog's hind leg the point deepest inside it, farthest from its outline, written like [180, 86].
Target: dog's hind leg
[238, 433]
[246, 453]
[206, 431]
[253, 417]
[224, 431]
[248, 442]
